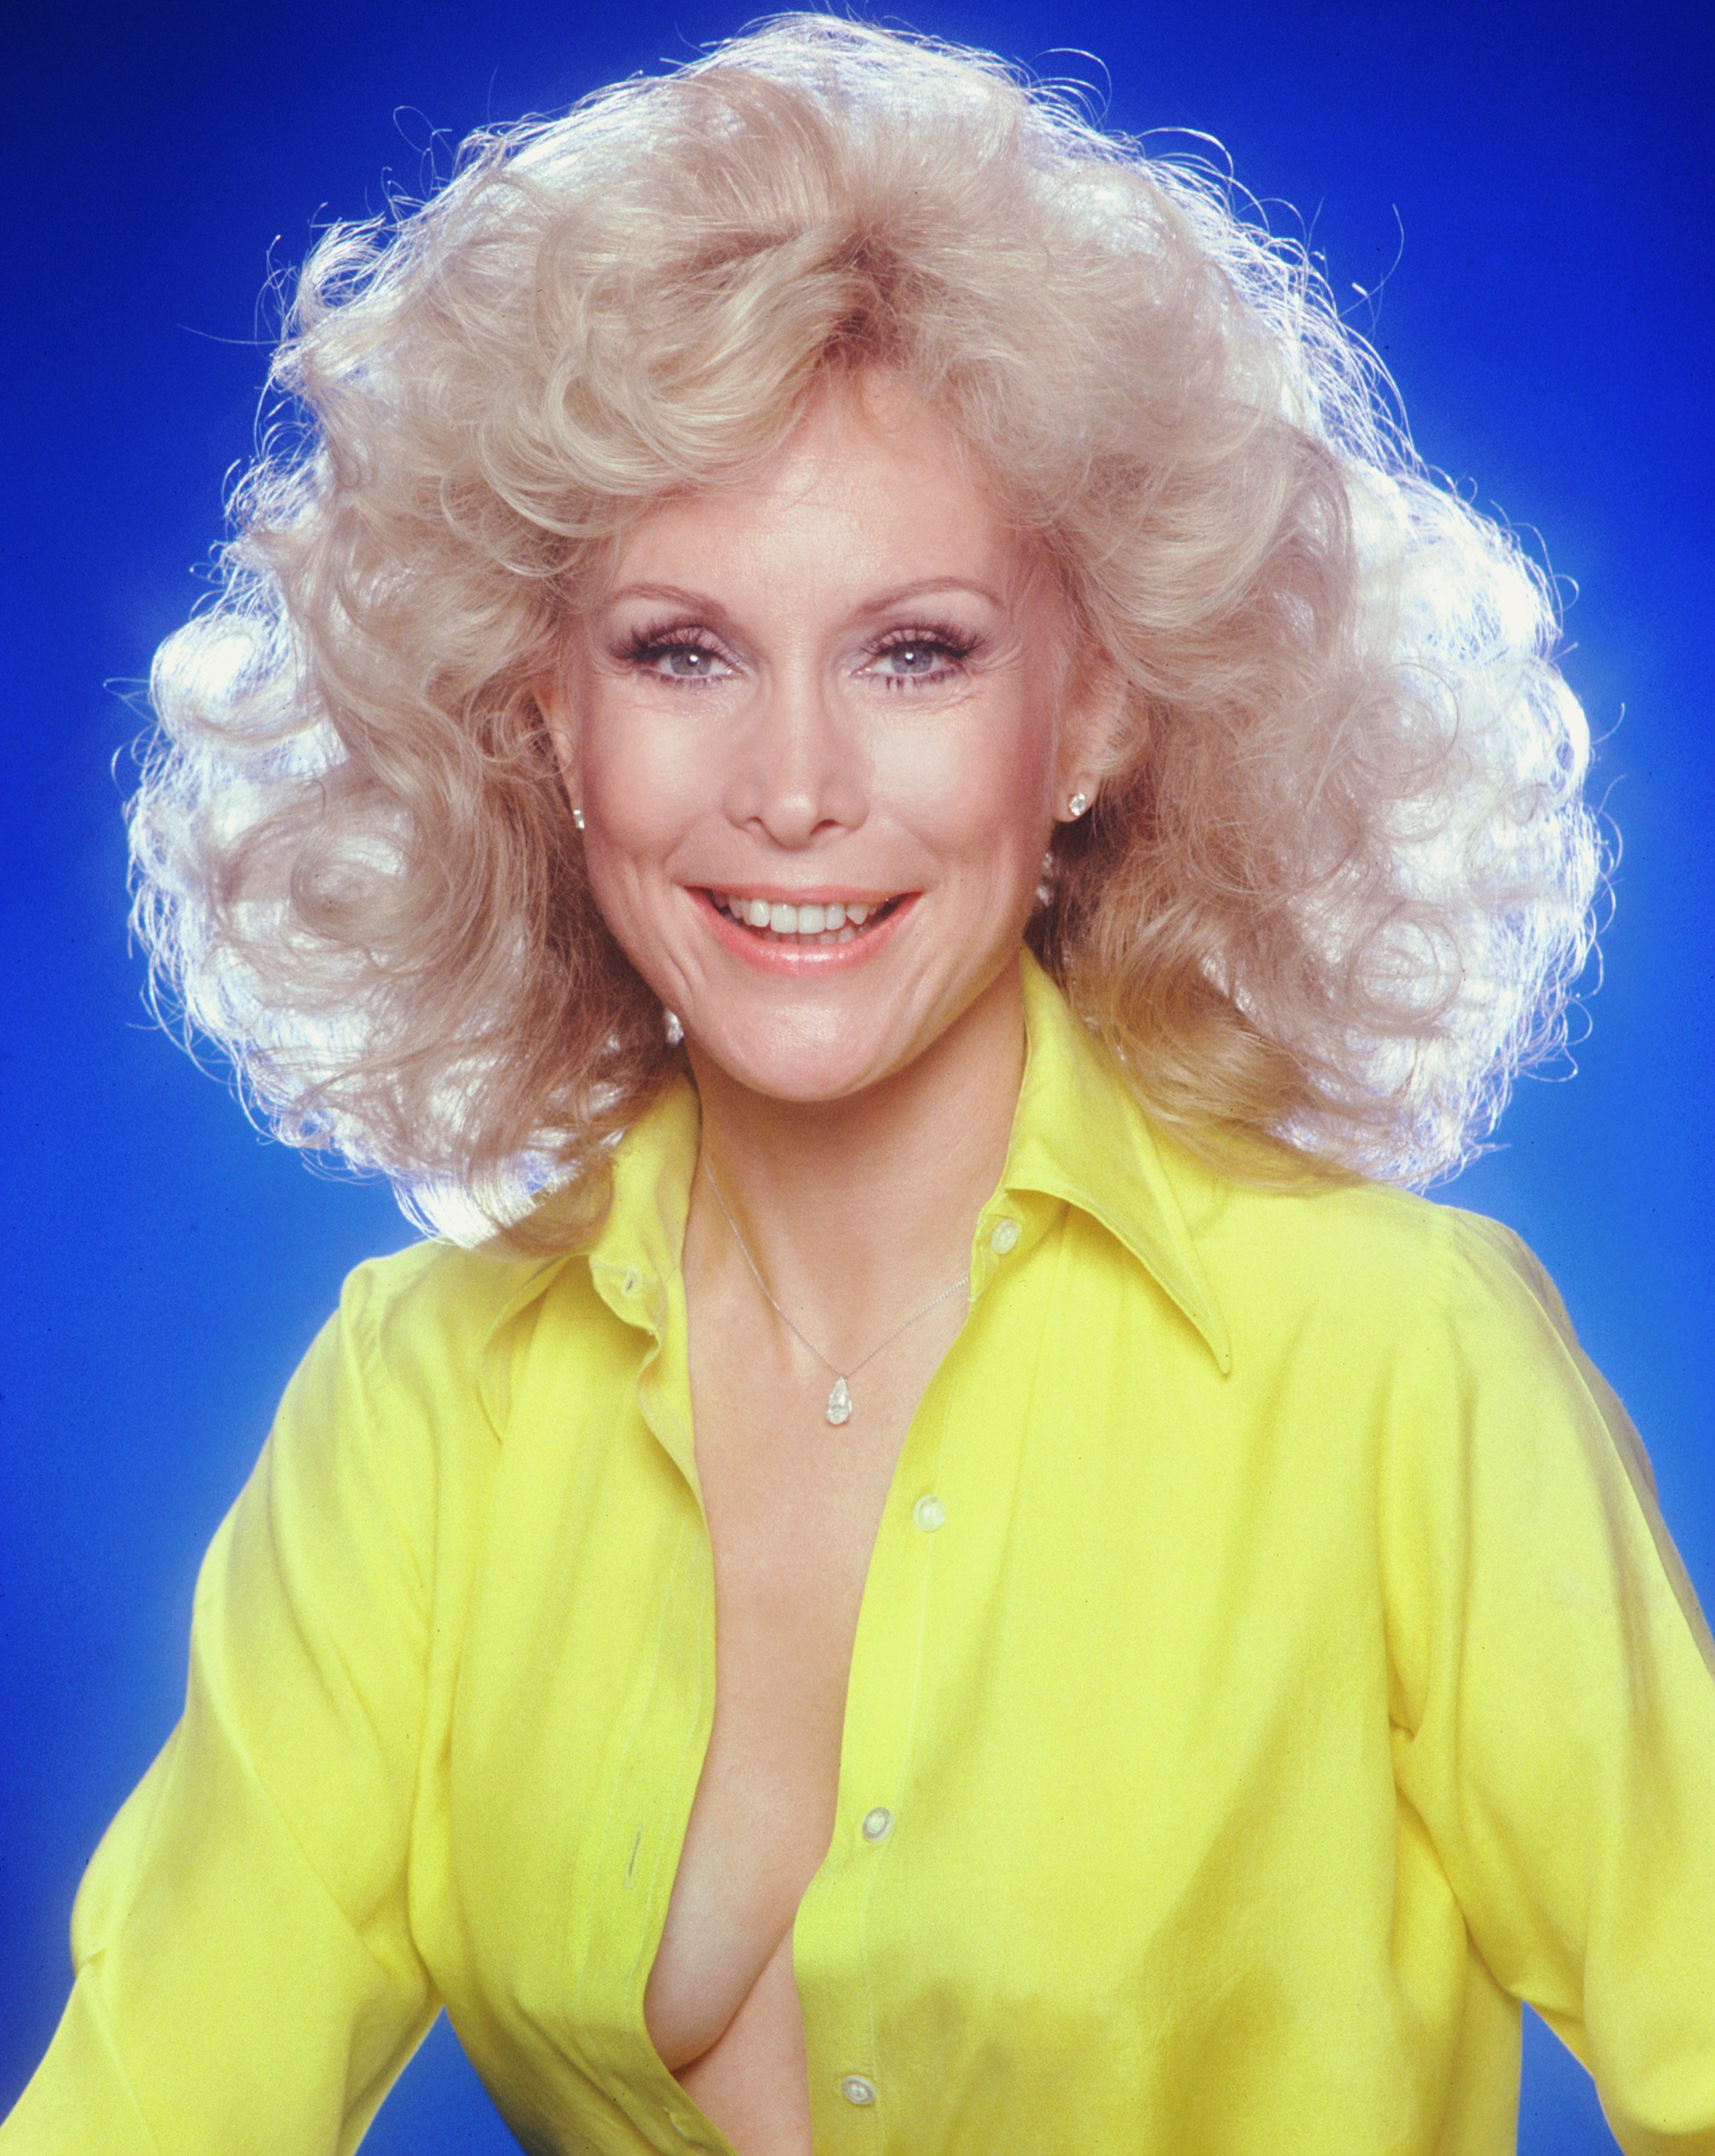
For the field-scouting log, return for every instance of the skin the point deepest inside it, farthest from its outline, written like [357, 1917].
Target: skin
[845, 679]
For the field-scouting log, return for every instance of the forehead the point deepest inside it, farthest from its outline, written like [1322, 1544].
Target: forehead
[871, 487]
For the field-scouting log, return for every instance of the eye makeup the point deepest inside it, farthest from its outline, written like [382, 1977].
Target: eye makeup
[653, 648]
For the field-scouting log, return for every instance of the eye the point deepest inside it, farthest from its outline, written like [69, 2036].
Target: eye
[919, 655]
[677, 658]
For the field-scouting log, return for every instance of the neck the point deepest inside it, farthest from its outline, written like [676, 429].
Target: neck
[855, 1209]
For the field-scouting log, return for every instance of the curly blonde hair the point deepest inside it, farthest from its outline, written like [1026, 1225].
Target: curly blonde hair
[1338, 881]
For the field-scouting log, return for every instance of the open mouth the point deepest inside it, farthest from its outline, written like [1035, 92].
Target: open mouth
[773, 921]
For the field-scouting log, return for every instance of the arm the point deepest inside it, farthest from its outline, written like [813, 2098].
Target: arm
[1554, 1703]
[246, 1977]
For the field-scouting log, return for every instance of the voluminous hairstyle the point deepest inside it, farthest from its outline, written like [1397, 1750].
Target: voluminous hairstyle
[1339, 879]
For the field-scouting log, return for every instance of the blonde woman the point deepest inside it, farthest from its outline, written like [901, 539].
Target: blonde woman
[853, 751]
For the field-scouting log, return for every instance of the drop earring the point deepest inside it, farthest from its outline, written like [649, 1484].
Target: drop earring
[577, 817]
[1076, 806]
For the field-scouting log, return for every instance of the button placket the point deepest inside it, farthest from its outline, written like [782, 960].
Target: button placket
[831, 1948]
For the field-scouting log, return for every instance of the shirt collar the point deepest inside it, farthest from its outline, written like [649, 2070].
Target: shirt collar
[1078, 1136]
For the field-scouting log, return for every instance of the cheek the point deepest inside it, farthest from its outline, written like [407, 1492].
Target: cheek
[983, 788]
[645, 781]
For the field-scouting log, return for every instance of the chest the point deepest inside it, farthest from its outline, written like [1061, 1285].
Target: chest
[1069, 1625]
[792, 1506]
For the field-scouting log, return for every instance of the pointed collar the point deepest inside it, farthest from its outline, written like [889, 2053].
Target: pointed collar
[1078, 1136]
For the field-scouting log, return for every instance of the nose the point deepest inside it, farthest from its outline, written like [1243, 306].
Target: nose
[800, 772]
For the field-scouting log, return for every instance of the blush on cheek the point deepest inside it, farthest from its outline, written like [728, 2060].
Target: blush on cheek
[1006, 820]
[969, 780]
[641, 788]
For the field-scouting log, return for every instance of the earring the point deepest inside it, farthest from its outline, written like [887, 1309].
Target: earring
[577, 817]
[672, 1028]
[1076, 806]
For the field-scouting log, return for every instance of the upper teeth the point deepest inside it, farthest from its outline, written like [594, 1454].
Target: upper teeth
[786, 920]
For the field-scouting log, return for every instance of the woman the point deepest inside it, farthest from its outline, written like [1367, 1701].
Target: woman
[853, 752]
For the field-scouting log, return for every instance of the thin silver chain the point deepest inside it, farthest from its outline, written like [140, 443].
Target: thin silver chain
[952, 1288]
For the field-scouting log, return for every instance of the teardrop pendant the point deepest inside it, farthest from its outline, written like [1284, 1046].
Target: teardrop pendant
[840, 1402]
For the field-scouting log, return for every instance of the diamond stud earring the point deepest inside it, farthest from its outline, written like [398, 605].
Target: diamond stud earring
[577, 817]
[1078, 804]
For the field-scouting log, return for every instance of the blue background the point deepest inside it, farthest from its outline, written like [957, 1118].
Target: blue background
[1546, 315]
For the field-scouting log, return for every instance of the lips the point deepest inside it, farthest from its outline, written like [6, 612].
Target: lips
[797, 946]
[806, 921]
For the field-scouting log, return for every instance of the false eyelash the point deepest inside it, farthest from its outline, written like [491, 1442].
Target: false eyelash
[958, 643]
[653, 638]
[657, 637]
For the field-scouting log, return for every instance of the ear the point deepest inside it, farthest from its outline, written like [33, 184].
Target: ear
[1090, 719]
[558, 707]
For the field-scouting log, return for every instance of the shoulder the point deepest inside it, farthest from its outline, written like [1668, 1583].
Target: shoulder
[424, 1335]
[397, 1412]
[1386, 1270]
[436, 1295]
[1443, 1322]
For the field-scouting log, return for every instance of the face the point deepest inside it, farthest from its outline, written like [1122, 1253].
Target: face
[818, 729]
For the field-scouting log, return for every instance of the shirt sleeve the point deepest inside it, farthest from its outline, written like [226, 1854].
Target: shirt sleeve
[246, 1977]
[1554, 1689]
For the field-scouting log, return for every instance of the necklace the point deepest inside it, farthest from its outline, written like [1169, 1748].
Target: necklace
[838, 1409]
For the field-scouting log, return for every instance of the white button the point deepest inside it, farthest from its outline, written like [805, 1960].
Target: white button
[857, 2090]
[877, 1823]
[1005, 1235]
[928, 1512]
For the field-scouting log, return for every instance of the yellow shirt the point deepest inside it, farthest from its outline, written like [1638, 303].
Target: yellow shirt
[1272, 1667]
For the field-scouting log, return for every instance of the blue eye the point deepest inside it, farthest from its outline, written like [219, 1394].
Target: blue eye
[685, 662]
[680, 659]
[915, 658]
[925, 656]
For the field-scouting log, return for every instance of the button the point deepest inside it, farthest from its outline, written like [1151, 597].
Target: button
[631, 1281]
[1005, 1238]
[928, 1512]
[877, 1823]
[857, 2090]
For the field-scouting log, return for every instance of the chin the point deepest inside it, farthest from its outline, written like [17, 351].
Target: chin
[827, 1074]
[824, 1057]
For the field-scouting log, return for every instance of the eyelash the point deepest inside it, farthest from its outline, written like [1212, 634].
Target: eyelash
[646, 646]
[956, 647]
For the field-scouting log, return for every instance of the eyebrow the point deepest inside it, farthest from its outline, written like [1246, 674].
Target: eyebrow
[897, 595]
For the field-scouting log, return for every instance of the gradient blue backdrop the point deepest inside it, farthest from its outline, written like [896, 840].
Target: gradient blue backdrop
[1532, 183]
